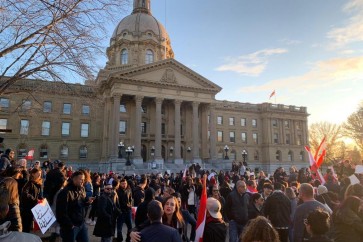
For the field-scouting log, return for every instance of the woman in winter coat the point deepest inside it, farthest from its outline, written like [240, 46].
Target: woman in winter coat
[29, 198]
[348, 225]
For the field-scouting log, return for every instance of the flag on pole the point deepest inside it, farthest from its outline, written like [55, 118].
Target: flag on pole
[314, 168]
[185, 173]
[272, 94]
[202, 212]
[30, 154]
[320, 153]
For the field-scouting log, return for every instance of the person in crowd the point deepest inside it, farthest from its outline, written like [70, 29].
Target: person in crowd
[306, 194]
[189, 193]
[267, 190]
[157, 231]
[217, 195]
[347, 221]
[317, 224]
[125, 204]
[290, 193]
[225, 189]
[237, 210]
[71, 216]
[293, 174]
[255, 206]
[29, 198]
[139, 193]
[261, 230]
[107, 213]
[277, 209]
[96, 184]
[215, 229]
[141, 212]
[187, 217]
[54, 181]
[323, 197]
[6, 159]
[89, 192]
[354, 190]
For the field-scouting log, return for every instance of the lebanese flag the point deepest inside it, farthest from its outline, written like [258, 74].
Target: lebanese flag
[202, 213]
[30, 154]
[185, 174]
[272, 94]
[320, 153]
[314, 168]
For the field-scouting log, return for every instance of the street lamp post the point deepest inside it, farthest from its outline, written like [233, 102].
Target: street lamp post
[120, 147]
[189, 150]
[226, 148]
[171, 152]
[244, 156]
[128, 152]
[153, 157]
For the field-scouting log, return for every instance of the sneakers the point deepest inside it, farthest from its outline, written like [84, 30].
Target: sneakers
[93, 223]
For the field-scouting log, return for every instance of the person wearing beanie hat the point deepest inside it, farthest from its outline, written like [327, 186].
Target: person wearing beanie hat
[322, 190]
[215, 229]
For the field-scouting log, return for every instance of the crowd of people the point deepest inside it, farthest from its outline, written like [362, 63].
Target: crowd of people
[247, 205]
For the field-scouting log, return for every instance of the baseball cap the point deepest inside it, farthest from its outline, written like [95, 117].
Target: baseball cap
[214, 207]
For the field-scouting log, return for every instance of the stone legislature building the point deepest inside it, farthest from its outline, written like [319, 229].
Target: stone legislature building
[146, 106]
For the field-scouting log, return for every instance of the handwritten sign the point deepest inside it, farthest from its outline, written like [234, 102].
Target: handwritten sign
[43, 215]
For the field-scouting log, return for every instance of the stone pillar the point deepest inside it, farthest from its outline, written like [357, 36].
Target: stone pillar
[107, 116]
[137, 139]
[213, 133]
[114, 137]
[177, 142]
[195, 129]
[158, 103]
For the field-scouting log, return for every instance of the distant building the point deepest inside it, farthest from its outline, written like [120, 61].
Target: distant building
[146, 99]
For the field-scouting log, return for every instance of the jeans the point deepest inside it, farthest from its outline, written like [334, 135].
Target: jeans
[235, 230]
[80, 234]
[106, 239]
[124, 217]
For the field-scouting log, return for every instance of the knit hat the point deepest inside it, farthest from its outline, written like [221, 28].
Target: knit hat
[322, 189]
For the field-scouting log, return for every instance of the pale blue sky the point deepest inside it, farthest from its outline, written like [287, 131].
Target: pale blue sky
[310, 52]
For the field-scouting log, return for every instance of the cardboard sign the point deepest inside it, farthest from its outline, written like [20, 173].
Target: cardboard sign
[43, 215]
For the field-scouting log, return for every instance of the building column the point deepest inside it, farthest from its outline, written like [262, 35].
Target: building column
[177, 134]
[115, 123]
[195, 129]
[213, 133]
[158, 103]
[137, 139]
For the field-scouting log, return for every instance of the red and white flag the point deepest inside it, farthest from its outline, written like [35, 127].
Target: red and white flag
[313, 167]
[320, 153]
[185, 174]
[272, 94]
[202, 213]
[30, 154]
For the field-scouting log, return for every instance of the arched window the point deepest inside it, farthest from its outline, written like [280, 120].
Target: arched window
[83, 152]
[124, 57]
[43, 152]
[149, 57]
[22, 151]
[64, 152]
[255, 155]
[301, 157]
[290, 156]
[278, 155]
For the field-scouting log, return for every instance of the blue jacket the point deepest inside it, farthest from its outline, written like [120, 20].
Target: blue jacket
[157, 232]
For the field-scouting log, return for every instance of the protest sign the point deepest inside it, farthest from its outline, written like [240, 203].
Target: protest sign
[43, 215]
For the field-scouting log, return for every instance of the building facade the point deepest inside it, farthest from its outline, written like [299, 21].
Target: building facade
[146, 100]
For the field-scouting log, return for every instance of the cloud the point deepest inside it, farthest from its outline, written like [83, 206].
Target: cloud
[290, 41]
[353, 31]
[322, 74]
[251, 64]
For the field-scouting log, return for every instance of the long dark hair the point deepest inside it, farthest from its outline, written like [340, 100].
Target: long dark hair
[351, 202]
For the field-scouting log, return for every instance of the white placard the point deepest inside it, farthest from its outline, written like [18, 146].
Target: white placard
[354, 180]
[211, 175]
[43, 215]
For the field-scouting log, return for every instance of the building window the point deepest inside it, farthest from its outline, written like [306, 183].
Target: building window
[4, 102]
[123, 108]
[287, 139]
[232, 137]
[123, 126]
[43, 152]
[124, 56]
[301, 156]
[278, 155]
[274, 123]
[84, 130]
[26, 105]
[64, 152]
[255, 138]
[243, 122]
[276, 138]
[67, 108]
[220, 120]
[255, 155]
[143, 128]
[163, 129]
[290, 156]
[208, 134]
[244, 137]
[143, 109]
[3, 123]
[83, 152]
[24, 127]
[208, 120]
[66, 128]
[149, 57]
[231, 121]
[254, 123]
[298, 125]
[287, 124]
[220, 136]
[22, 151]
[299, 139]
[47, 107]
[45, 128]
[85, 110]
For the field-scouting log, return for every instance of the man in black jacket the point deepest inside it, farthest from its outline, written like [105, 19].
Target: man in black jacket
[277, 209]
[125, 201]
[70, 213]
[54, 180]
[139, 193]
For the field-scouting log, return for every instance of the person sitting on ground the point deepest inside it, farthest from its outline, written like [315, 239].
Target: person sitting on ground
[317, 224]
[261, 230]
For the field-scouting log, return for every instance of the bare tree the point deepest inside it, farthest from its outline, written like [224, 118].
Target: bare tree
[353, 127]
[333, 134]
[51, 40]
